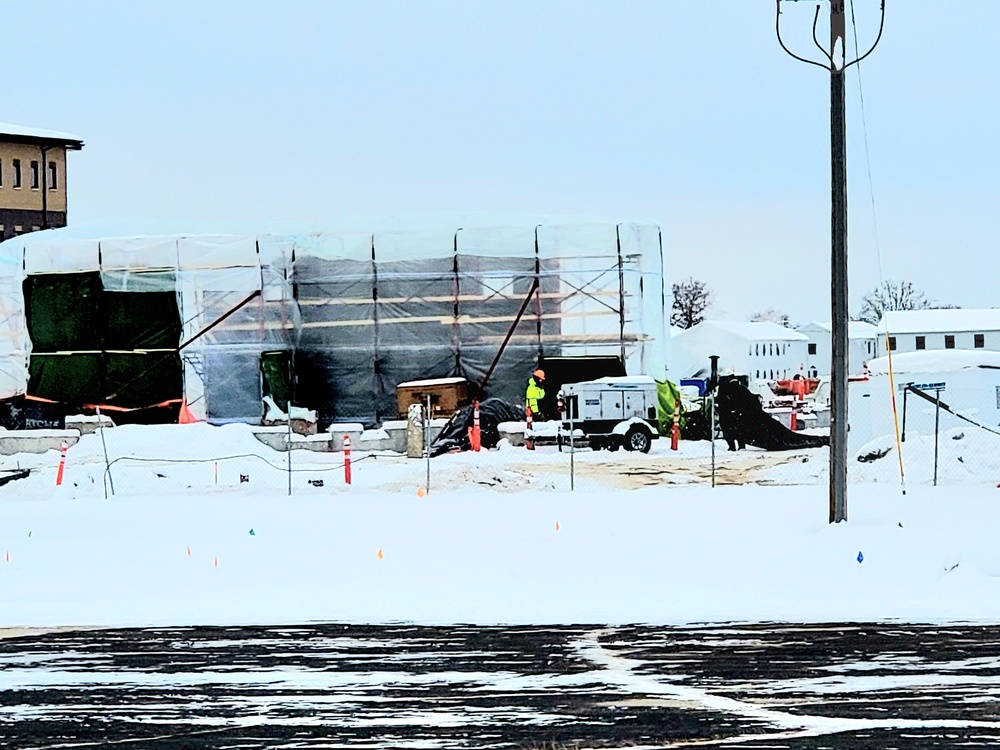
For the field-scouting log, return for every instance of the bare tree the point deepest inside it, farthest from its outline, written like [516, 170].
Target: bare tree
[691, 299]
[893, 295]
[770, 316]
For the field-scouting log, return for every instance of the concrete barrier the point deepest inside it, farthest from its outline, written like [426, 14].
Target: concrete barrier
[88, 424]
[396, 430]
[35, 441]
[353, 430]
[277, 438]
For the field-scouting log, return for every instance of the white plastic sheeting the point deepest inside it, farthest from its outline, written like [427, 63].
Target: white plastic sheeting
[366, 310]
[14, 343]
[136, 254]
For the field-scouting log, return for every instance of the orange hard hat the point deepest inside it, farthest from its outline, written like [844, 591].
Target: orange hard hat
[540, 374]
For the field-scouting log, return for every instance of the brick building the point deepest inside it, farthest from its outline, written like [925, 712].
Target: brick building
[33, 178]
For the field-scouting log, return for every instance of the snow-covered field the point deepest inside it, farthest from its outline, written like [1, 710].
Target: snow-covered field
[499, 538]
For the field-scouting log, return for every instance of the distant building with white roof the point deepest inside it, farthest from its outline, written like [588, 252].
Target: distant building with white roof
[861, 346]
[918, 330]
[762, 351]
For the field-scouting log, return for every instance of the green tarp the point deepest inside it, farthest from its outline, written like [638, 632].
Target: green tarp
[276, 377]
[668, 399]
[91, 346]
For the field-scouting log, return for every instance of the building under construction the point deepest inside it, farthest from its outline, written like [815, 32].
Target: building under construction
[331, 321]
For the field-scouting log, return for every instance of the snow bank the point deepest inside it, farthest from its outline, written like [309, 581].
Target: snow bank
[650, 556]
[499, 538]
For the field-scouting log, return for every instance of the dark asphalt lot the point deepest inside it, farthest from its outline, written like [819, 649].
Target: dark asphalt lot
[335, 686]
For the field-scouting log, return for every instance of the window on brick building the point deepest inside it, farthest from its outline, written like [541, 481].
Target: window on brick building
[34, 175]
[53, 176]
[17, 173]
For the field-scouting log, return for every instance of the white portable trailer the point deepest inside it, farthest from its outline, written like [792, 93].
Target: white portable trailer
[616, 412]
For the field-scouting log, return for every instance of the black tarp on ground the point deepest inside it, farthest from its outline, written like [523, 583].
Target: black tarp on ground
[744, 422]
[492, 412]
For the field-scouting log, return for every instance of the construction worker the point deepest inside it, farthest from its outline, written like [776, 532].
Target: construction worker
[534, 394]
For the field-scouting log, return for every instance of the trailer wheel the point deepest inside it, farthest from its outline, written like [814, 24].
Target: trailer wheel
[637, 439]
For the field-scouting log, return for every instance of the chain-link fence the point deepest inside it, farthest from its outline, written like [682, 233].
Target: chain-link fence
[947, 438]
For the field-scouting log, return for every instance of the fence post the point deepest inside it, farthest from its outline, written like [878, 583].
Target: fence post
[906, 390]
[713, 384]
[711, 409]
[427, 443]
[571, 405]
[937, 425]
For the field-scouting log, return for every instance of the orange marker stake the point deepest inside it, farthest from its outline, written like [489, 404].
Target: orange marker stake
[347, 459]
[421, 491]
[557, 526]
[62, 463]
[8, 556]
[475, 437]
[380, 555]
[189, 552]
[216, 563]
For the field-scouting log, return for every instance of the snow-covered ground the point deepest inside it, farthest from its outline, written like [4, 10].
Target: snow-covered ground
[499, 538]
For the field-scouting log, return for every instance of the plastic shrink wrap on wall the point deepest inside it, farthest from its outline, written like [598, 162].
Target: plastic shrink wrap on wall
[337, 319]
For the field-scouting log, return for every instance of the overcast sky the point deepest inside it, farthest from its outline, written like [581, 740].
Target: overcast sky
[203, 114]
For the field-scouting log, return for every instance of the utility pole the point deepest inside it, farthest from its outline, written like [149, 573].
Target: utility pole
[838, 267]
[836, 64]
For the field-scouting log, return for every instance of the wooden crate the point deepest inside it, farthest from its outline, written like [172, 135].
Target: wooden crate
[448, 395]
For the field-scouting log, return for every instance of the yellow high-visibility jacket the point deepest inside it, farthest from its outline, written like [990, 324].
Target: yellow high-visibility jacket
[533, 395]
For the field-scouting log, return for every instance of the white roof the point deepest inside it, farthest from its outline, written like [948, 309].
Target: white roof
[429, 236]
[433, 382]
[21, 131]
[856, 329]
[940, 321]
[415, 223]
[762, 331]
[937, 360]
[627, 380]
